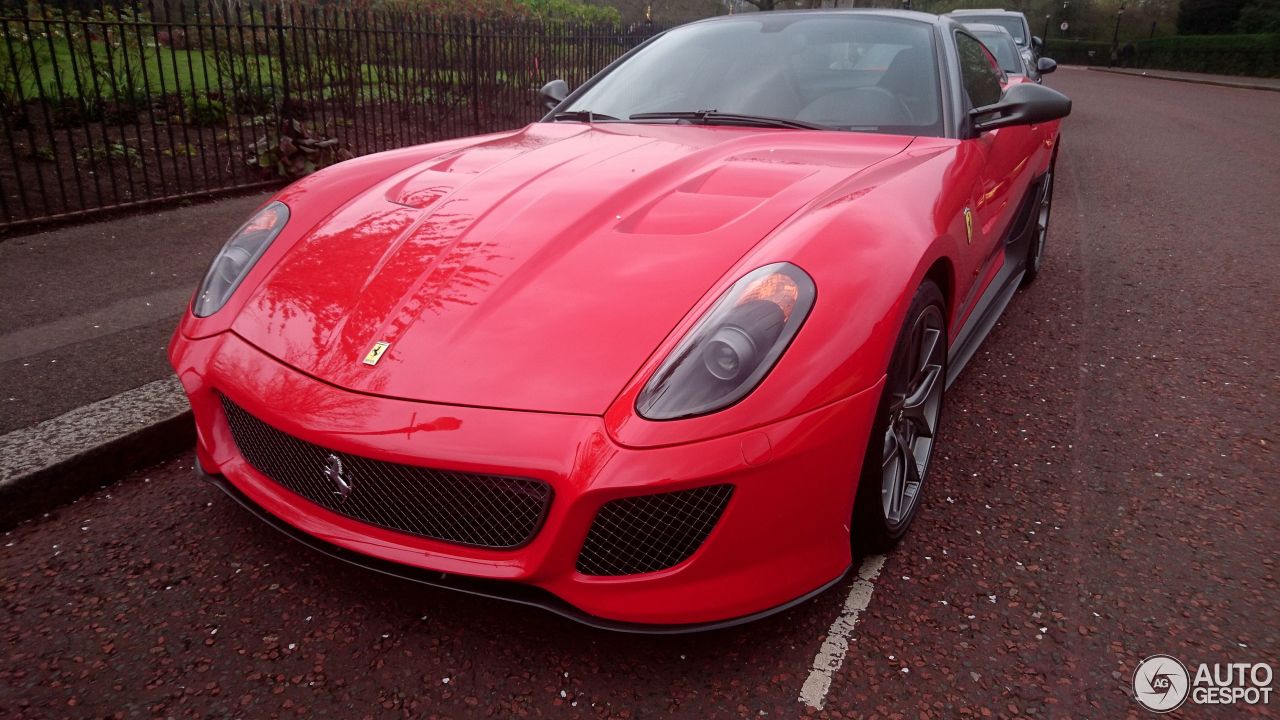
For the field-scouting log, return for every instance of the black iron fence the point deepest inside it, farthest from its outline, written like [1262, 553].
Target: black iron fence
[124, 105]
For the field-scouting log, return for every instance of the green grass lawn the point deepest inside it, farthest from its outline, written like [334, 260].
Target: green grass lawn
[47, 68]
[161, 70]
[164, 70]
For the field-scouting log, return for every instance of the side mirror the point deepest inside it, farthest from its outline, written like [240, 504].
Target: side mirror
[553, 93]
[1022, 104]
[1046, 65]
[1037, 42]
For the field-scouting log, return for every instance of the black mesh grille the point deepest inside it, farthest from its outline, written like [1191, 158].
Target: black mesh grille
[651, 532]
[471, 509]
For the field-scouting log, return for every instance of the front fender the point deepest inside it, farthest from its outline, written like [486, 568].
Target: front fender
[867, 245]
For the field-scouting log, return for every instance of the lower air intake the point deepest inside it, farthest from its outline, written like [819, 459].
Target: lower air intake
[466, 508]
[651, 532]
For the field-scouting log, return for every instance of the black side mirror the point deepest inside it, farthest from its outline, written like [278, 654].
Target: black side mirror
[553, 93]
[1022, 104]
[1037, 42]
[1046, 65]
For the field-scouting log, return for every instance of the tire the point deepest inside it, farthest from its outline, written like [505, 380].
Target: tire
[1035, 250]
[906, 425]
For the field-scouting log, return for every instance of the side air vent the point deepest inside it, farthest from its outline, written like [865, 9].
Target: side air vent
[651, 532]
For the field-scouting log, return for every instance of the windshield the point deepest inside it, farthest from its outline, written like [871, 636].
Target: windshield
[1013, 23]
[845, 73]
[1001, 45]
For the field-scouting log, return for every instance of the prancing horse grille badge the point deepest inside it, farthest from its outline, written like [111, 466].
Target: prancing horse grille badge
[333, 470]
[376, 352]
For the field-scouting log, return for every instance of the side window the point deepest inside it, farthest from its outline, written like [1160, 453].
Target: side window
[977, 69]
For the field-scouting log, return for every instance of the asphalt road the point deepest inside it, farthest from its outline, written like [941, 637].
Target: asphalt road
[1106, 490]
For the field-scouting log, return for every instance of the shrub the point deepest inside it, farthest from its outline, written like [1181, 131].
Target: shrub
[123, 111]
[1261, 16]
[204, 111]
[111, 151]
[573, 11]
[478, 9]
[255, 99]
[181, 150]
[294, 151]
[68, 112]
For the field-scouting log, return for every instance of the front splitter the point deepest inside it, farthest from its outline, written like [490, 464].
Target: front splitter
[507, 590]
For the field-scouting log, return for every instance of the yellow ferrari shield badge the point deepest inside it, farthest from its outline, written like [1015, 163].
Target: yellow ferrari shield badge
[968, 225]
[376, 352]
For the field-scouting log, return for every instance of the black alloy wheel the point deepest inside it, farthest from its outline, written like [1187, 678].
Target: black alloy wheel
[1035, 253]
[905, 432]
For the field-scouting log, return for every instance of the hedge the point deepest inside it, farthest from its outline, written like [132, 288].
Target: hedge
[1255, 55]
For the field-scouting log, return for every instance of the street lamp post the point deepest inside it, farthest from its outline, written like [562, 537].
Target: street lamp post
[1045, 34]
[1115, 38]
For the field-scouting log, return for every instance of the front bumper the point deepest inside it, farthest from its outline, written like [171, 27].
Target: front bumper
[498, 589]
[782, 538]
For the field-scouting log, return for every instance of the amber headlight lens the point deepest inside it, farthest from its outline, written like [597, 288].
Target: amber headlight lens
[733, 347]
[238, 257]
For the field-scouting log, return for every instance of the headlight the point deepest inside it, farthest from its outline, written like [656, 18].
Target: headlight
[733, 347]
[237, 258]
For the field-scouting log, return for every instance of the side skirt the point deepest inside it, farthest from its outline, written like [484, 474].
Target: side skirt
[1002, 288]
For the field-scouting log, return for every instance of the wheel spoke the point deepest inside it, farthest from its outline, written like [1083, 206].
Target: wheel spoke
[894, 508]
[912, 474]
[905, 483]
[890, 448]
[916, 407]
[891, 471]
[929, 340]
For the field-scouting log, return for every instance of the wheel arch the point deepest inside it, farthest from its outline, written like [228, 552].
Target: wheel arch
[943, 274]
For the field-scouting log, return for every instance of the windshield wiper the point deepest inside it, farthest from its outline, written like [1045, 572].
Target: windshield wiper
[713, 117]
[582, 115]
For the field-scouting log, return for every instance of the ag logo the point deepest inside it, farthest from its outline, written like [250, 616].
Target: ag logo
[1161, 683]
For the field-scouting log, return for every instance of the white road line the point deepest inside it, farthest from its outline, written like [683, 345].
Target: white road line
[831, 655]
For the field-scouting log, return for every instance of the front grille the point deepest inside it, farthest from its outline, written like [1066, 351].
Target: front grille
[467, 508]
[651, 532]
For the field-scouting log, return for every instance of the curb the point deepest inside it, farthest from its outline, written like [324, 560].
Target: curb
[59, 460]
[1198, 81]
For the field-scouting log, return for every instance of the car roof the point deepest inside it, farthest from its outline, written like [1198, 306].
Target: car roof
[986, 27]
[992, 11]
[923, 17]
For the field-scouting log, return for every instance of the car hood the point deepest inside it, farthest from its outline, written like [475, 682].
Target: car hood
[536, 270]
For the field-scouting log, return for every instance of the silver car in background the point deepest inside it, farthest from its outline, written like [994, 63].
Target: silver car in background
[1006, 51]
[1011, 20]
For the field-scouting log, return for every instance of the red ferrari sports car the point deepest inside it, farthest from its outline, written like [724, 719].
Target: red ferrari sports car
[654, 361]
